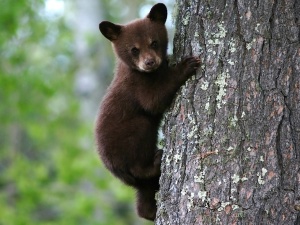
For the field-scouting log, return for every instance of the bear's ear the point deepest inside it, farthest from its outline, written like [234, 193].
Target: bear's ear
[158, 13]
[110, 30]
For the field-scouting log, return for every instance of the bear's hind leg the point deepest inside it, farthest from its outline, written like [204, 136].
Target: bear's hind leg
[146, 203]
[148, 170]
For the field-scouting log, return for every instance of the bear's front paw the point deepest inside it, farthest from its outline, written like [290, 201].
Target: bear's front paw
[189, 65]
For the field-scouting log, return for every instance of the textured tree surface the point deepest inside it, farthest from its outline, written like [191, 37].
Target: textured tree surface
[232, 153]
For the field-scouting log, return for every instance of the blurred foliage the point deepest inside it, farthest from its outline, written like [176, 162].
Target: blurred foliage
[50, 172]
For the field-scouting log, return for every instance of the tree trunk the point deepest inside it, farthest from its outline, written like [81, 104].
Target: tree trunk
[232, 148]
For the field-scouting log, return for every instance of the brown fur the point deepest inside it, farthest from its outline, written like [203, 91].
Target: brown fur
[143, 88]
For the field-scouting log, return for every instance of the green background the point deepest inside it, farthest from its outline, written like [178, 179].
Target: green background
[50, 172]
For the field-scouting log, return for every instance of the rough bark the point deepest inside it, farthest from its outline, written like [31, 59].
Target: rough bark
[232, 148]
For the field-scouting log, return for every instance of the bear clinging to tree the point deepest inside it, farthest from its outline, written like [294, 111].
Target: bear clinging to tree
[142, 89]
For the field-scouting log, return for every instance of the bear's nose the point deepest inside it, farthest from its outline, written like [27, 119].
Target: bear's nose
[149, 62]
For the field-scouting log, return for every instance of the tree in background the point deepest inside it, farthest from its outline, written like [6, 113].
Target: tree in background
[232, 136]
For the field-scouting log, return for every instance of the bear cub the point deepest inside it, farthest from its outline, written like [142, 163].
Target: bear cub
[143, 87]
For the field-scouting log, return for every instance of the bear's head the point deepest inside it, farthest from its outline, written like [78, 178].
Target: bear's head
[141, 44]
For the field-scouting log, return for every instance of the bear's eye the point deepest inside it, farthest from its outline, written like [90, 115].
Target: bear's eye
[135, 51]
[154, 44]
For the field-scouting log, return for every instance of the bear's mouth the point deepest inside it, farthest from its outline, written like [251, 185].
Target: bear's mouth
[148, 69]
